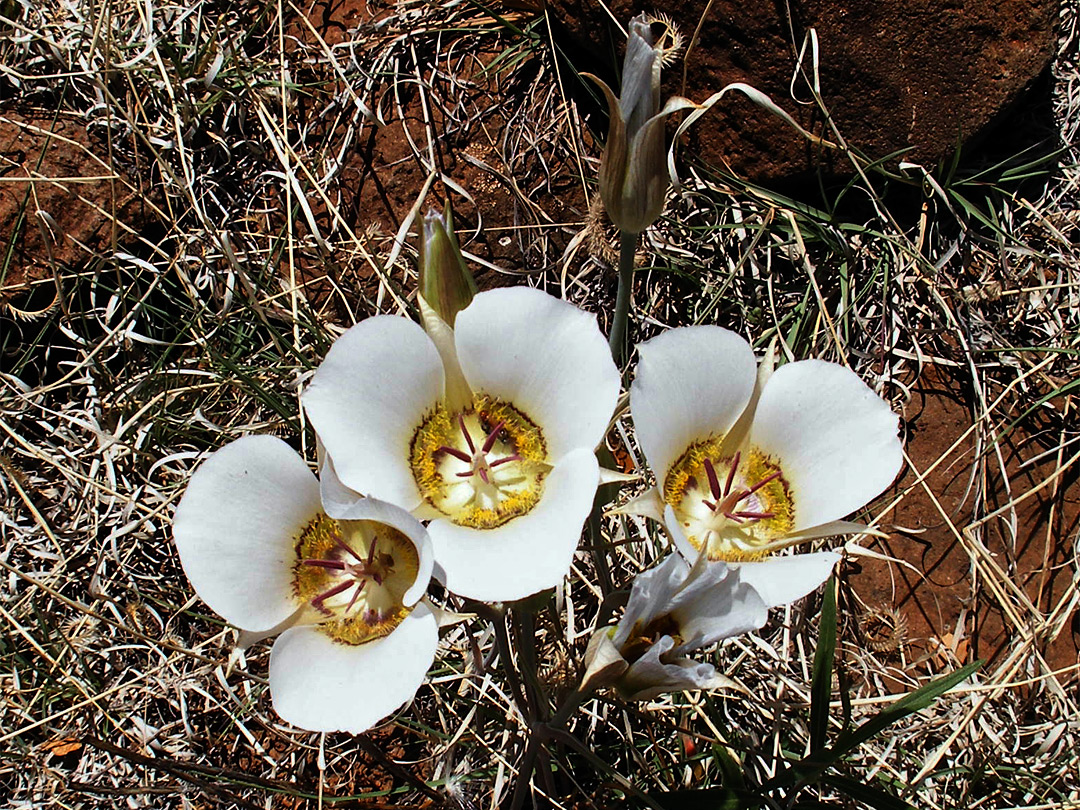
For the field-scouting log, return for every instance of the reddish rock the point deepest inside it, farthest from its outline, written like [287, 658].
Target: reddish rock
[86, 208]
[919, 75]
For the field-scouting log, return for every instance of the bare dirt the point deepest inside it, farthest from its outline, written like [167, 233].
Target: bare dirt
[951, 610]
[62, 204]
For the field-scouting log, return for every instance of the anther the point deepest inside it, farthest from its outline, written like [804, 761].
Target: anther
[489, 442]
[460, 455]
[333, 565]
[356, 594]
[465, 433]
[714, 483]
[756, 515]
[317, 602]
[348, 549]
[731, 474]
[760, 484]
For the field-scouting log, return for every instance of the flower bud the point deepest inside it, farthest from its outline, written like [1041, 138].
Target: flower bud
[445, 282]
[633, 170]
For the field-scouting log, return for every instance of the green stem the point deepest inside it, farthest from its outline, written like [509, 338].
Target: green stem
[617, 341]
[502, 643]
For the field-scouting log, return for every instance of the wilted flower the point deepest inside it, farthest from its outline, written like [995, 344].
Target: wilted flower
[488, 429]
[633, 171]
[341, 585]
[748, 463]
[675, 609]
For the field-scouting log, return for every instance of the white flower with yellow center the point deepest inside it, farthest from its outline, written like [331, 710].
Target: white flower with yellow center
[749, 463]
[342, 584]
[488, 429]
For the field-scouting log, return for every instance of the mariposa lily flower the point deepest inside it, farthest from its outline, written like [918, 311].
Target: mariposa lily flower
[749, 463]
[341, 583]
[633, 170]
[488, 429]
[675, 609]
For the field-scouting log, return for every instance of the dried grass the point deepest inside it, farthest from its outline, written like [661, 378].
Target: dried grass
[120, 686]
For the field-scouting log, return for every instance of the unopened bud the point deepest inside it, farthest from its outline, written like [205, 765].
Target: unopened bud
[445, 281]
[633, 171]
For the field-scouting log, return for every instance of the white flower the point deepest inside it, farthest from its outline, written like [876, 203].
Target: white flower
[488, 429]
[749, 463]
[673, 610]
[341, 585]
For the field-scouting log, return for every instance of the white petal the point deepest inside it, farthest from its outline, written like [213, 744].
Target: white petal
[334, 494]
[835, 439]
[544, 356]
[529, 553]
[678, 536]
[691, 383]
[603, 662]
[322, 685]
[715, 603]
[651, 595]
[398, 518]
[649, 676]
[236, 529]
[368, 398]
[782, 580]
[832, 529]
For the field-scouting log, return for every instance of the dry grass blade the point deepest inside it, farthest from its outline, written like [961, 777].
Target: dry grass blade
[255, 169]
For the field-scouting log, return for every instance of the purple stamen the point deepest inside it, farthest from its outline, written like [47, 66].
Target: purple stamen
[317, 602]
[733, 516]
[341, 543]
[756, 515]
[356, 595]
[731, 474]
[714, 483]
[489, 442]
[468, 474]
[484, 475]
[371, 551]
[760, 484]
[468, 438]
[709, 504]
[497, 462]
[333, 565]
[460, 455]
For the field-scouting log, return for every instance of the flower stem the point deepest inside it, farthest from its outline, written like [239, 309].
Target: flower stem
[497, 618]
[617, 341]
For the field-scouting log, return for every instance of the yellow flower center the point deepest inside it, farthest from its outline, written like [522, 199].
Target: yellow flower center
[645, 634]
[354, 574]
[737, 507]
[481, 467]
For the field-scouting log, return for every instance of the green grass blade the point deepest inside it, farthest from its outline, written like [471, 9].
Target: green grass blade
[867, 794]
[916, 701]
[821, 685]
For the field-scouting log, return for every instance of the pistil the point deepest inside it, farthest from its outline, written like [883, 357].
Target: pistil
[726, 500]
[479, 464]
[356, 575]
